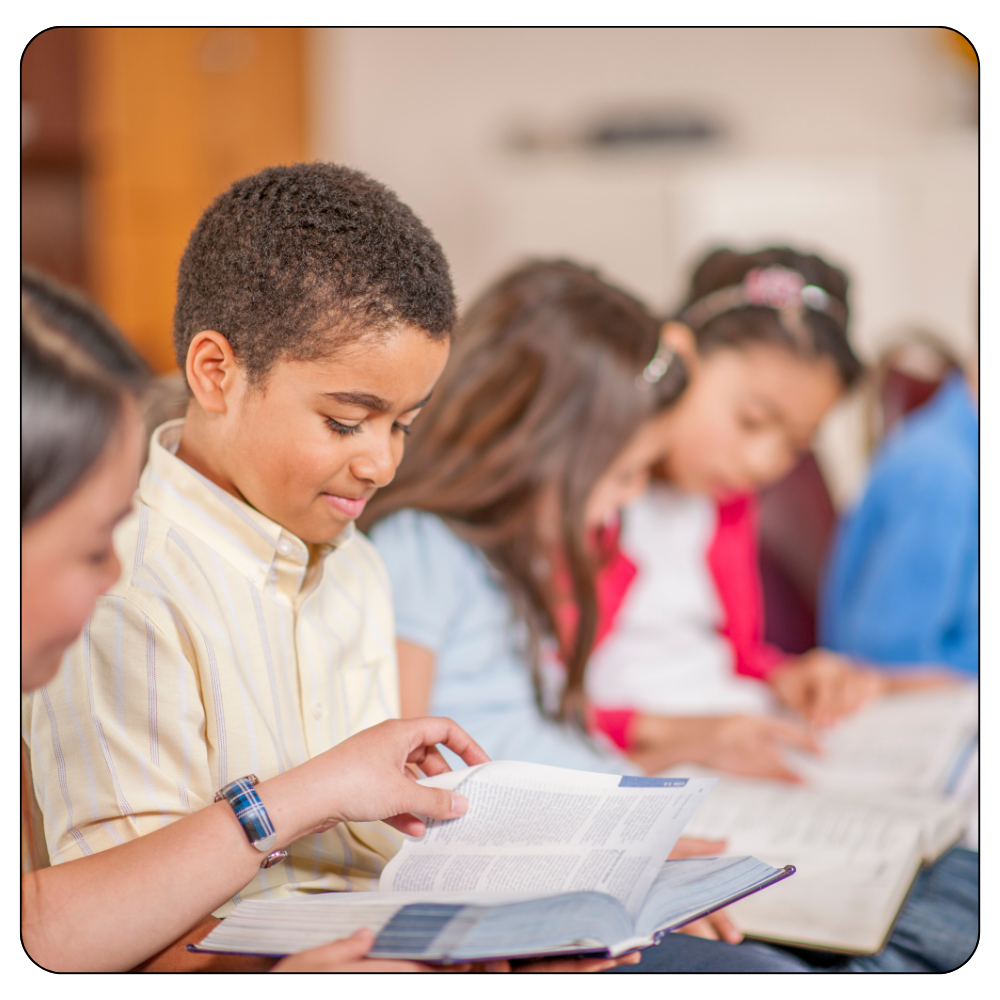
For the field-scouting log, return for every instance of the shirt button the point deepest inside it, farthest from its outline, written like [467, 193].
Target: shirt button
[284, 548]
[317, 711]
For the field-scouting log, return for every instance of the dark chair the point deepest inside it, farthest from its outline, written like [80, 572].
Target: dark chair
[796, 526]
[906, 375]
[797, 517]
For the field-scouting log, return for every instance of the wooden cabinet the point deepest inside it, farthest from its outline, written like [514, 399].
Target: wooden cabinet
[168, 118]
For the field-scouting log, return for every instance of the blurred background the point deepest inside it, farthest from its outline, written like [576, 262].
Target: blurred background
[634, 150]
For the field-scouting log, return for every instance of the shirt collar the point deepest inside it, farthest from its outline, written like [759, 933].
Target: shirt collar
[261, 548]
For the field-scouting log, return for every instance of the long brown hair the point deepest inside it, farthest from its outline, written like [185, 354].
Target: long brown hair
[541, 388]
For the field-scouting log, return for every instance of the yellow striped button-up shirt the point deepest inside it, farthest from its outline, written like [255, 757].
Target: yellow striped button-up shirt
[228, 647]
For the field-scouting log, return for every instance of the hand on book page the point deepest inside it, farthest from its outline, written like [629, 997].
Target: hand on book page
[824, 687]
[913, 743]
[367, 777]
[735, 744]
[547, 863]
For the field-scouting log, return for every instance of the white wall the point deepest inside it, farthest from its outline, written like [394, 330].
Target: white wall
[848, 141]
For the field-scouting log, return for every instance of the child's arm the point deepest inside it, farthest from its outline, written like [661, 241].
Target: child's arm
[416, 677]
[824, 687]
[738, 744]
[113, 909]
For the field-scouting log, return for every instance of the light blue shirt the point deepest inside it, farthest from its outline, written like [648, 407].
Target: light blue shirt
[903, 580]
[449, 600]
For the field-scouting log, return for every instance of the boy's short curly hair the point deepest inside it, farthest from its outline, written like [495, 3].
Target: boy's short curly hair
[295, 261]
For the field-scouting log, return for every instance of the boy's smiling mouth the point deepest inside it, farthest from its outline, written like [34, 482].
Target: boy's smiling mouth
[348, 506]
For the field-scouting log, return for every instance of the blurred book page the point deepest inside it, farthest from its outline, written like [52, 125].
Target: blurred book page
[855, 858]
[918, 743]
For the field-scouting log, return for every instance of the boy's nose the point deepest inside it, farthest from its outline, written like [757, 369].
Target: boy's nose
[375, 465]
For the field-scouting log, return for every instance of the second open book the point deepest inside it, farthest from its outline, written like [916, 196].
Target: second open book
[892, 793]
[546, 861]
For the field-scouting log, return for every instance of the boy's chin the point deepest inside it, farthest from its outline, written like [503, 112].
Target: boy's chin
[322, 531]
[38, 670]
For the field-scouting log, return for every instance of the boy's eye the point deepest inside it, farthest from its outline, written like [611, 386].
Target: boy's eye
[344, 430]
[405, 428]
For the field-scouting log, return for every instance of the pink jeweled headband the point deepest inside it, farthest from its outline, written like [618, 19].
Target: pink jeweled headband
[774, 287]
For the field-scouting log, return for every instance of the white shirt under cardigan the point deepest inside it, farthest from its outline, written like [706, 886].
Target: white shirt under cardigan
[665, 655]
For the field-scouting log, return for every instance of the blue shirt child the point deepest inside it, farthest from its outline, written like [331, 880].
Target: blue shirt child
[449, 600]
[902, 585]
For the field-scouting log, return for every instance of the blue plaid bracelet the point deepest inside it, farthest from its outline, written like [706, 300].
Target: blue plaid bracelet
[253, 817]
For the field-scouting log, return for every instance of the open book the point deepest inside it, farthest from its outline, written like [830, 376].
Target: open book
[546, 861]
[886, 798]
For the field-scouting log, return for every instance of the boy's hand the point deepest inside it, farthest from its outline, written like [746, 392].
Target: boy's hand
[366, 778]
[347, 955]
[824, 687]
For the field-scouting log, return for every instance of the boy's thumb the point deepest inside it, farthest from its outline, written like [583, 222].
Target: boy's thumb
[438, 803]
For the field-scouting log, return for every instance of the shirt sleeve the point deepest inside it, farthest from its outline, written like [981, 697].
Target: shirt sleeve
[423, 559]
[114, 757]
[527, 735]
[615, 723]
[897, 570]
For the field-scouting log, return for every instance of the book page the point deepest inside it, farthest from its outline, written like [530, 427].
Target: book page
[915, 743]
[854, 861]
[548, 830]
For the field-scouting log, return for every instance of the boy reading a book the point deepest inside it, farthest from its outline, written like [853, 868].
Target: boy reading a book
[252, 627]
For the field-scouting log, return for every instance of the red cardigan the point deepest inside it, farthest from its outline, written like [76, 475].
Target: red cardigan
[732, 559]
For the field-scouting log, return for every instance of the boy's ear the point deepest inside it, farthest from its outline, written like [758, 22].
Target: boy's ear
[681, 339]
[211, 370]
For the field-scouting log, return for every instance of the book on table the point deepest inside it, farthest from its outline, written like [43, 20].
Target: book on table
[547, 861]
[893, 791]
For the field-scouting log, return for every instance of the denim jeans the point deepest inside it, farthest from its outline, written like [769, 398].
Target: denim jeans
[937, 930]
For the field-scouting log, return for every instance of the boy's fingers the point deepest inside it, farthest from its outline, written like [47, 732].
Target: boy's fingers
[427, 732]
[432, 762]
[438, 803]
[405, 823]
[422, 735]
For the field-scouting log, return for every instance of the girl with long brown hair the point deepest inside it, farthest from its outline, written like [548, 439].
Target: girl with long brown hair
[499, 529]
[500, 537]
